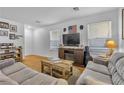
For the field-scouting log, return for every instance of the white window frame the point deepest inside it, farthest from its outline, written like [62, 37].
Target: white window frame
[96, 47]
[54, 43]
[109, 33]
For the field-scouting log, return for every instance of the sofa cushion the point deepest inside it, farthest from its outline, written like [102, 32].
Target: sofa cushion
[117, 80]
[6, 62]
[13, 68]
[115, 57]
[22, 75]
[98, 68]
[90, 77]
[43, 79]
[4, 80]
[120, 67]
[111, 68]
[40, 79]
[113, 61]
[93, 81]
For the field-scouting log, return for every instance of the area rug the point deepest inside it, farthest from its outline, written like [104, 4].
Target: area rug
[76, 74]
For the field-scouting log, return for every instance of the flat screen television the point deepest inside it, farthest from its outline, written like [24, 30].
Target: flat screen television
[71, 39]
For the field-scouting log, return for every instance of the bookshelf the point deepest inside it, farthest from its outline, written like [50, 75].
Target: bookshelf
[8, 50]
[18, 54]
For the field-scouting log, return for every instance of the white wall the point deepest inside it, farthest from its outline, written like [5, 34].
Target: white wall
[20, 31]
[37, 42]
[42, 43]
[28, 40]
[41, 36]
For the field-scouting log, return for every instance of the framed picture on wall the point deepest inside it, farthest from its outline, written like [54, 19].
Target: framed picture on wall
[18, 36]
[64, 29]
[4, 25]
[12, 36]
[13, 28]
[72, 29]
[3, 33]
[122, 23]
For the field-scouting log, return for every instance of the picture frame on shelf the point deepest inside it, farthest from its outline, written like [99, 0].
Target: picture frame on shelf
[13, 28]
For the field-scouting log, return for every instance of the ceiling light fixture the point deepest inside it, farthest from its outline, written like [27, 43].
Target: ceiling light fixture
[76, 8]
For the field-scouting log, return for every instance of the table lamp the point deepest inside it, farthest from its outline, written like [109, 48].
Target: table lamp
[111, 44]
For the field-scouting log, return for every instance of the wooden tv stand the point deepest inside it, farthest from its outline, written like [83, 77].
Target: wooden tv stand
[75, 54]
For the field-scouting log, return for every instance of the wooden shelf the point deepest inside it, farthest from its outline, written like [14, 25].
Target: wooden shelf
[19, 54]
[9, 51]
[7, 48]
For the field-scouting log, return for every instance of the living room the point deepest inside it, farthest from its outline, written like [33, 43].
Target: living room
[59, 45]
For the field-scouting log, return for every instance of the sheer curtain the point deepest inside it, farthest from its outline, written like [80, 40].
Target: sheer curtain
[98, 33]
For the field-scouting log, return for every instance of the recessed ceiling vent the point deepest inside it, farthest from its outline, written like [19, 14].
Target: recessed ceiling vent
[37, 21]
[76, 8]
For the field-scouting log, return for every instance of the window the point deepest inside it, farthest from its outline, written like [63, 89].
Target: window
[98, 33]
[54, 39]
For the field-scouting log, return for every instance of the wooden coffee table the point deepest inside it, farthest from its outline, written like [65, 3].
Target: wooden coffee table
[62, 69]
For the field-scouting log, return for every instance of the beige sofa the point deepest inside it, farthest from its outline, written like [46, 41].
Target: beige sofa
[98, 74]
[16, 73]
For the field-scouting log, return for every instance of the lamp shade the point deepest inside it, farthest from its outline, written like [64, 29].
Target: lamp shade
[111, 44]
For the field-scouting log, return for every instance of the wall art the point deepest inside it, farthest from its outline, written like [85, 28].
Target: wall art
[4, 25]
[13, 28]
[122, 23]
[3, 33]
[12, 36]
[72, 29]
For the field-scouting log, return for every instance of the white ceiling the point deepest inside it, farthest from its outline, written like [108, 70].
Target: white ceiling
[47, 15]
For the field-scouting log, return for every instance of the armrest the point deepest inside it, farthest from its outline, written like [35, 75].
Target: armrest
[6, 62]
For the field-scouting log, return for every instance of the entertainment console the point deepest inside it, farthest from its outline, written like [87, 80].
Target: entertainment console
[75, 54]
